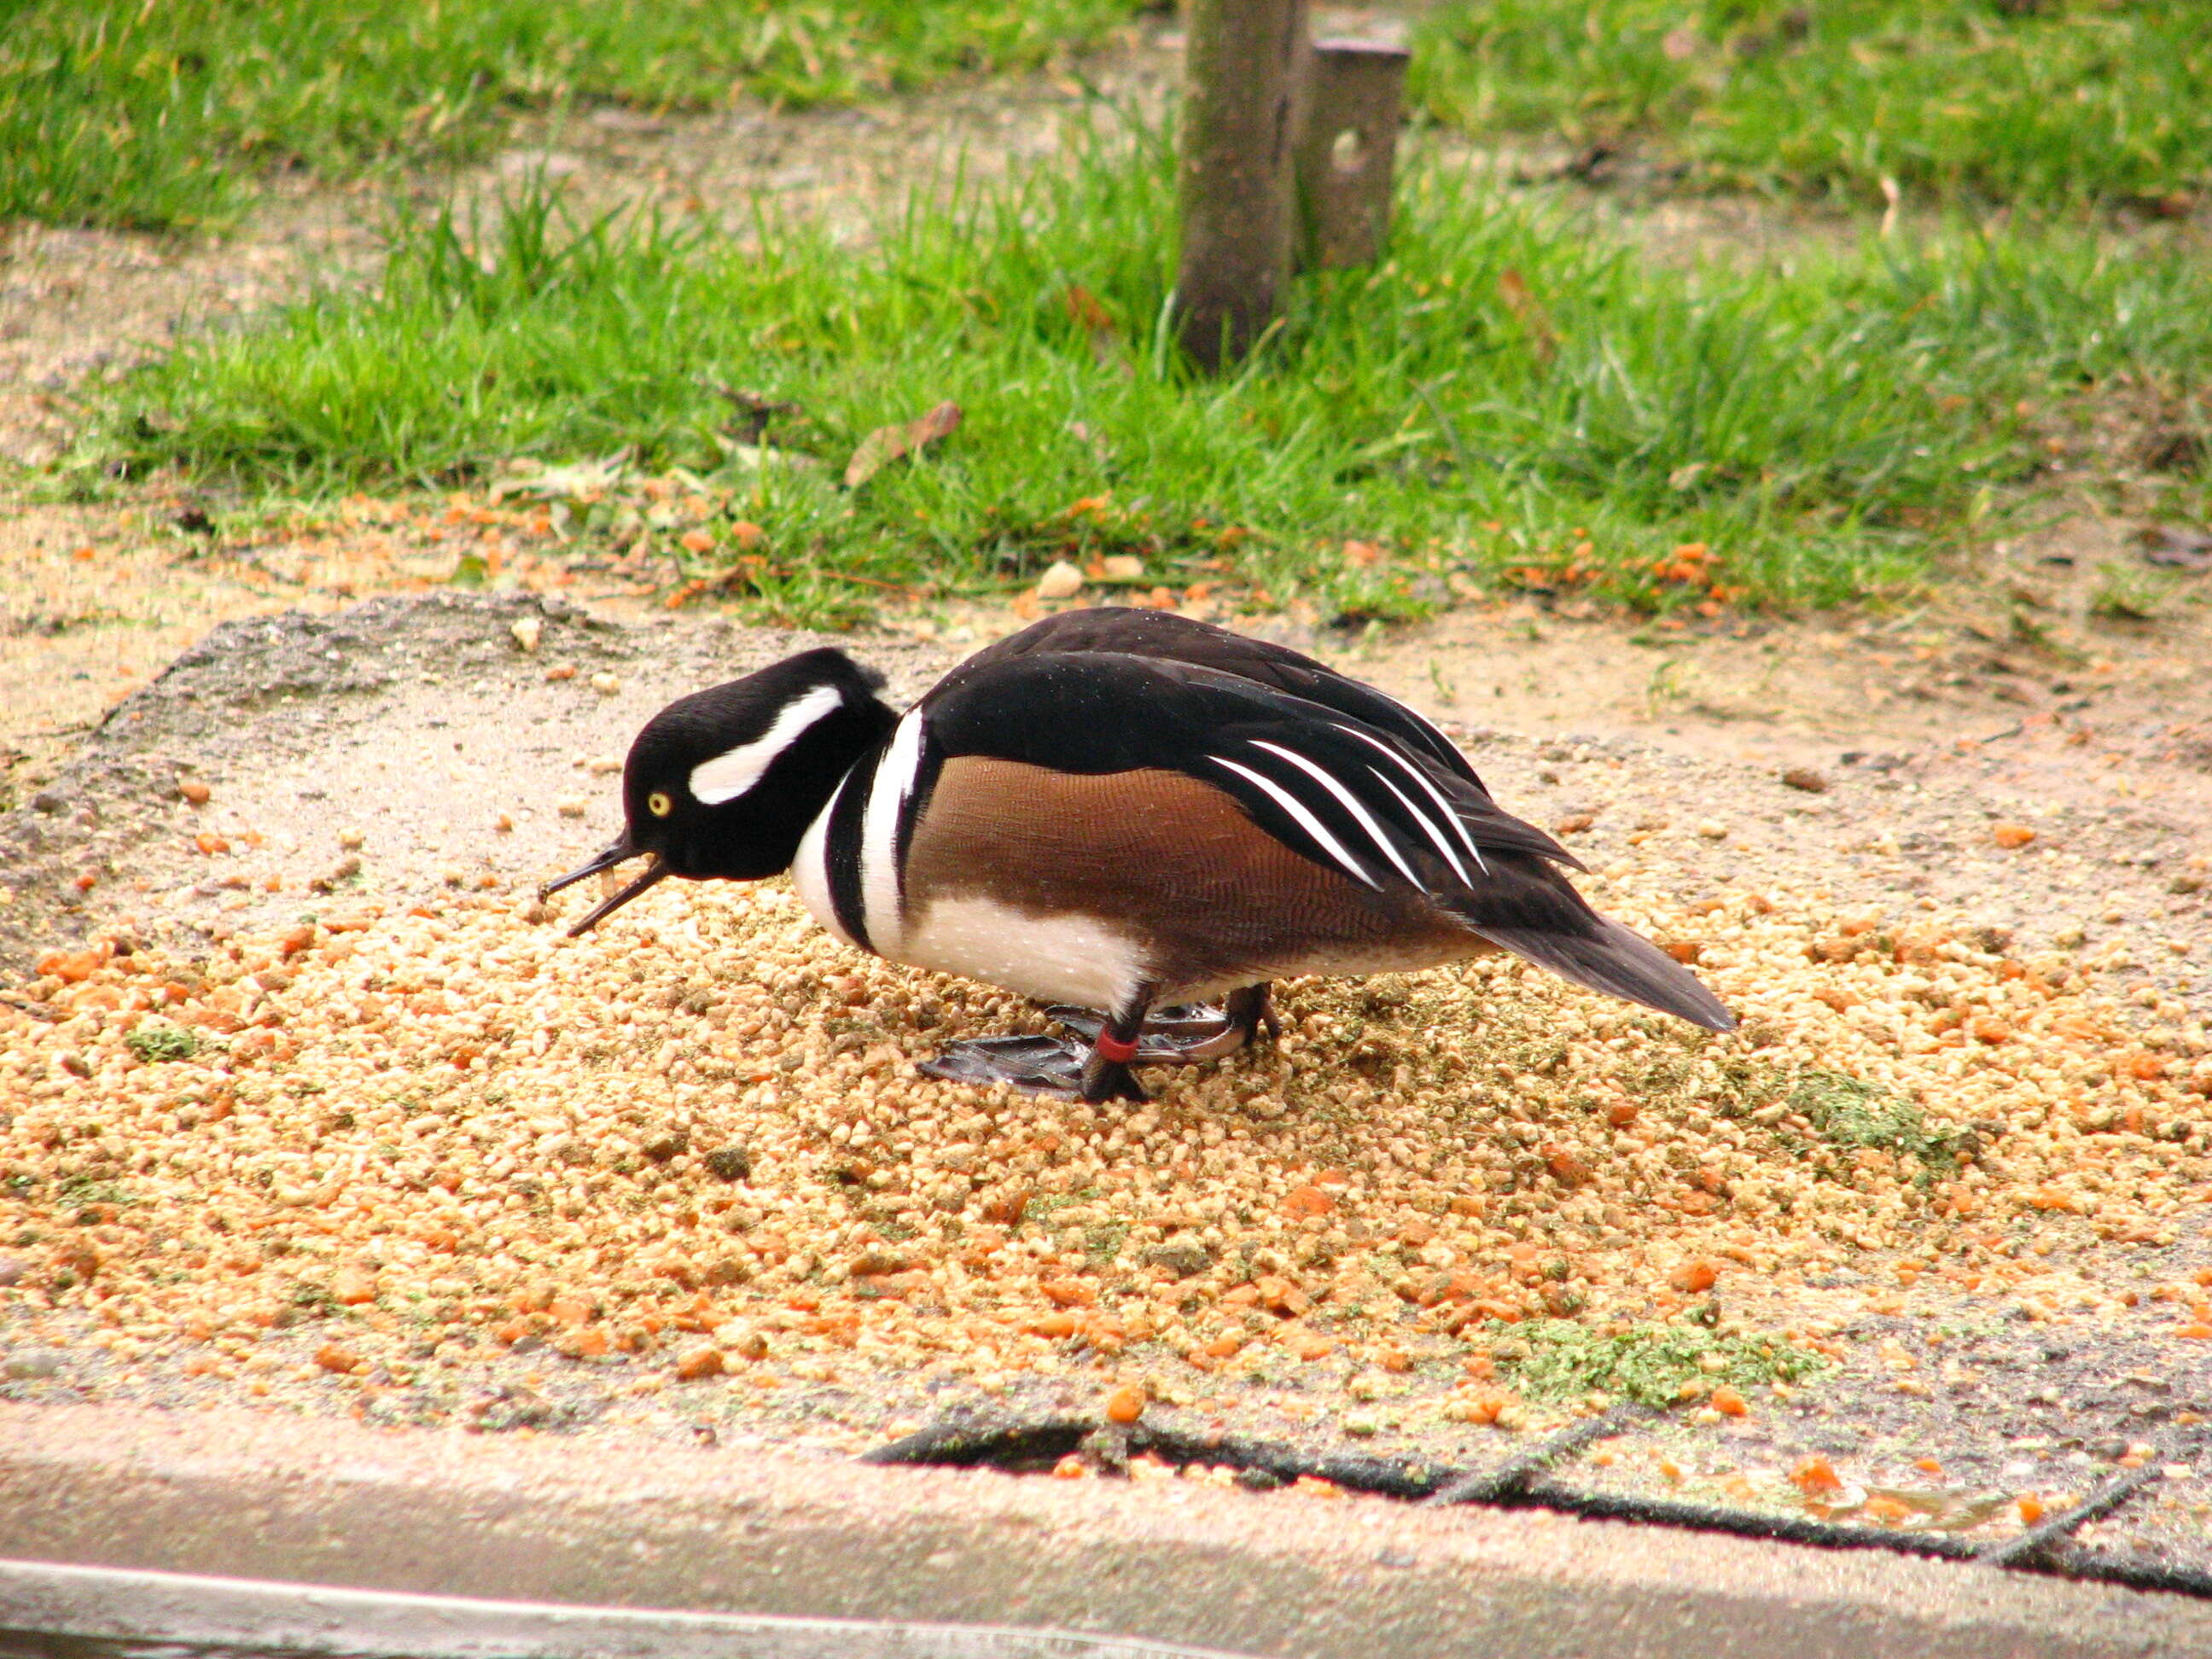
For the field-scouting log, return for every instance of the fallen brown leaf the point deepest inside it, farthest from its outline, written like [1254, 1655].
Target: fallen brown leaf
[887, 443]
[1528, 312]
[1084, 306]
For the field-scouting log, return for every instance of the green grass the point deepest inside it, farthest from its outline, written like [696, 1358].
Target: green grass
[157, 1040]
[1653, 1365]
[159, 114]
[1852, 1115]
[2057, 103]
[1512, 395]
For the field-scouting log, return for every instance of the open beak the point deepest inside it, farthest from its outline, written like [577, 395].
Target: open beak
[606, 858]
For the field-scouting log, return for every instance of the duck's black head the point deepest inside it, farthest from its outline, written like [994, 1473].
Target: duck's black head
[724, 782]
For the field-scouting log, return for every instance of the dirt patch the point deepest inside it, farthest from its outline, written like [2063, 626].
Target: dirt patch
[397, 735]
[81, 306]
[2016, 678]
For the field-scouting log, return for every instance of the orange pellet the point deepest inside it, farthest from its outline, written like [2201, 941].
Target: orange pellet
[1694, 1276]
[700, 1362]
[1815, 1476]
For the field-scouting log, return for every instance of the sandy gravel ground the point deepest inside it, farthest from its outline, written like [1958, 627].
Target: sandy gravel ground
[427, 1162]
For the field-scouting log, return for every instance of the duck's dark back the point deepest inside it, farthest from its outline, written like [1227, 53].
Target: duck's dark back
[1163, 634]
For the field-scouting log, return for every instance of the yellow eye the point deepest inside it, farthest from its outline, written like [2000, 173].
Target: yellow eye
[659, 805]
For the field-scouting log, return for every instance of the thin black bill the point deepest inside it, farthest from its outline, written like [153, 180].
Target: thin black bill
[607, 858]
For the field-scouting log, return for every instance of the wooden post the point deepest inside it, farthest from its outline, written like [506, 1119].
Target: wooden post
[1244, 66]
[1348, 150]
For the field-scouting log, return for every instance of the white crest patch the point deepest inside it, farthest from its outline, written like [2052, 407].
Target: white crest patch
[880, 872]
[732, 772]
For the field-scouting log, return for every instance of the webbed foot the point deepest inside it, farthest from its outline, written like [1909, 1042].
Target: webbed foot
[1035, 1065]
[1183, 1035]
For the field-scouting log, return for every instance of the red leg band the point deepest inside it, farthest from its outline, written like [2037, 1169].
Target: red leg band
[1108, 1047]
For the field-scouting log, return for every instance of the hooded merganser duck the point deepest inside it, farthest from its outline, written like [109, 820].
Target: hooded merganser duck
[1124, 811]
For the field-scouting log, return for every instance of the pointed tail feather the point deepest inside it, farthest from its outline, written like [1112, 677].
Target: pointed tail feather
[1619, 962]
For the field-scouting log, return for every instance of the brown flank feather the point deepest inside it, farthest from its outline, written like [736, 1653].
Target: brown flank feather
[1214, 900]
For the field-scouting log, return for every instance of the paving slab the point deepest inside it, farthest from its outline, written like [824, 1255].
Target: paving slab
[268, 1497]
[61, 1611]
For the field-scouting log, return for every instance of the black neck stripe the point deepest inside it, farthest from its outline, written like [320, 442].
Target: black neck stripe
[840, 849]
[927, 764]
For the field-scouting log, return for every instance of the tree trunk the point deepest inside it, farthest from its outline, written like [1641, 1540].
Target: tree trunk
[1245, 72]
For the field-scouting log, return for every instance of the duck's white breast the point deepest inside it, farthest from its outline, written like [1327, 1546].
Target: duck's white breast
[810, 869]
[1055, 958]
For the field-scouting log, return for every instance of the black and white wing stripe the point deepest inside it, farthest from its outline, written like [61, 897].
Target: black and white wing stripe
[1359, 800]
[1353, 801]
[1426, 785]
[1308, 828]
